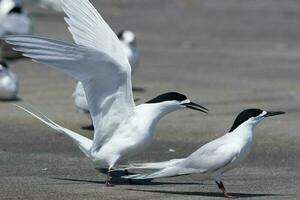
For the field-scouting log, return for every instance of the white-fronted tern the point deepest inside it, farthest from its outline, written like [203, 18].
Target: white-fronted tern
[98, 60]
[214, 158]
[13, 21]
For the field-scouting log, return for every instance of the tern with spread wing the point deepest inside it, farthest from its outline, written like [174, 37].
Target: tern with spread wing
[98, 60]
[214, 158]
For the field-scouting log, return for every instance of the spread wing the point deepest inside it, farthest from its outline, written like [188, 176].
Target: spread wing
[98, 61]
[89, 29]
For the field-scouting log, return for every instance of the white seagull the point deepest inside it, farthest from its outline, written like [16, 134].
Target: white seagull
[214, 158]
[9, 85]
[13, 21]
[98, 60]
[128, 41]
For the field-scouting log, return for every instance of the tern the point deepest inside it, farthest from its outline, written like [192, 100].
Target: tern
[98, 60]
[215, 158]
[8, 83]
[13, 21]
[128, 41]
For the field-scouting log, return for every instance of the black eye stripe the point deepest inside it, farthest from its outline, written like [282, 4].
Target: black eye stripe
[4, 64]
[120, 34]
[170, 96]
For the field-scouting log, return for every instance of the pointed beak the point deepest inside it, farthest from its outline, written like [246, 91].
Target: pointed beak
[195, 106]
[273, 113]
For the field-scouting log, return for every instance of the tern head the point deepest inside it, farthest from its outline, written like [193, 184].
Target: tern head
[127, 37]
[173, 101]
[16, 10]
[252, 117]
[3, 66]
[6, 6]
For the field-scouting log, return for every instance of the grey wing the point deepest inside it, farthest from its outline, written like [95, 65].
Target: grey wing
[212, 157]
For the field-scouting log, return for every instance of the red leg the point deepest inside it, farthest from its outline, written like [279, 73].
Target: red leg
[108, 179]
[222, 188]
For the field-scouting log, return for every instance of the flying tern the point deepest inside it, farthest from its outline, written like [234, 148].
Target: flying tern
[128, 41]
[98, 60]
[13, 21]
[8, 83]
[214, 158]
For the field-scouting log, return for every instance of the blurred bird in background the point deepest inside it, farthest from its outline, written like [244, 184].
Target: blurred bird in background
[8, 83]
[51, 4]
[128, 42]
[14, 20]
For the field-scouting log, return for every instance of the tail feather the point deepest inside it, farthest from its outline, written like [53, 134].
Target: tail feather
[154, 165]
[82, 142]
[167, 172]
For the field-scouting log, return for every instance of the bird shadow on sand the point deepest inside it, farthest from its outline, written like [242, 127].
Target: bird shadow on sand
[119, 181]
[209, 194]
[138, 89]
[74, 180]
[88, 127]
[17, 99]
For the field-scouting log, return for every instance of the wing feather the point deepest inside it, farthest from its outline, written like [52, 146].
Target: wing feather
[97, 60]
[107, 84]
[89, 29]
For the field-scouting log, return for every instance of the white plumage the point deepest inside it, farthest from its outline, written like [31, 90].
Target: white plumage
[128, 42]
[214, 158]
[13, 21]
[9, 85]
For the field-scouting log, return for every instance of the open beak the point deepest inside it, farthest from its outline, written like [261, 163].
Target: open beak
[195, 106]
[273, 113]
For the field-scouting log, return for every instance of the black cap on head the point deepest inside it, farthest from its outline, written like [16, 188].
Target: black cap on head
[170, 96]
[4, 64]
[244, 116]
[16, 9]
[120, 34]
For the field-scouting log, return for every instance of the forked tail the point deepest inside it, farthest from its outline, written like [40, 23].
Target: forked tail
[154, 165]
[82, 142]
[163, 173]
[166, 169]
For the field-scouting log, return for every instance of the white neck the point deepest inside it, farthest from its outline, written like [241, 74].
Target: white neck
[152, 113]
[245, 131]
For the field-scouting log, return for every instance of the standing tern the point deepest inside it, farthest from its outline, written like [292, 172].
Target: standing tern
[13, 21]
[128, 41]
[98, 60]
[8, 83]
[214, 158]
